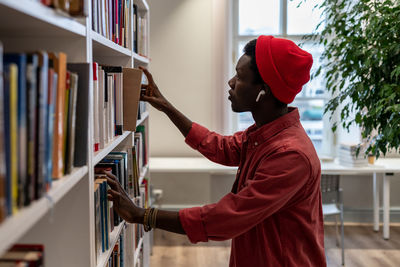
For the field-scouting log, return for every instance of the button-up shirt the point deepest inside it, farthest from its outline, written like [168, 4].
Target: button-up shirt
[273, 213]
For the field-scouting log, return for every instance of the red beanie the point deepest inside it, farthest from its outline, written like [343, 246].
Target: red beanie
[283, 66]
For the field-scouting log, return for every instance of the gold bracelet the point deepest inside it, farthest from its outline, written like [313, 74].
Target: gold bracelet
[146, 220]
[154, 218]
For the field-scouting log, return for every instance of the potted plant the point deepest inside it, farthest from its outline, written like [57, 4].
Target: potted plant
[362, 64]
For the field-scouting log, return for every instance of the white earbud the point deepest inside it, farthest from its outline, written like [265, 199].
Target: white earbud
[262, 92]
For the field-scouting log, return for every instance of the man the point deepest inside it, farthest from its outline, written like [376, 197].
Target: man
[273, 213]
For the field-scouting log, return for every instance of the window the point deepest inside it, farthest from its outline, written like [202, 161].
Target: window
[286, 19]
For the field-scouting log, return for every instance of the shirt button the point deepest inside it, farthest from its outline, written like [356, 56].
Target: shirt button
[256, 144]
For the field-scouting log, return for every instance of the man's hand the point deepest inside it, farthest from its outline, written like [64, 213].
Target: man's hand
[123, 205]
[152, 94]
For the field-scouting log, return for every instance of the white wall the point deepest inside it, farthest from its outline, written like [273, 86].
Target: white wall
[188, 52]
[181, 58]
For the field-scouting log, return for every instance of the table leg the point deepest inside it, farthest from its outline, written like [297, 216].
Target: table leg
[386, 206]
[376, 202]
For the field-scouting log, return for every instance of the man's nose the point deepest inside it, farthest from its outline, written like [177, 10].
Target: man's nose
[231, 83]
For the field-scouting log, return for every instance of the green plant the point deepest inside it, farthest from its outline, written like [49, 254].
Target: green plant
[362, 64]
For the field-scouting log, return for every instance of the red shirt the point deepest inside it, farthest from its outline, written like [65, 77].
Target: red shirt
[273, 213]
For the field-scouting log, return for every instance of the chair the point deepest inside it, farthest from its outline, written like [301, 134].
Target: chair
[332, 204]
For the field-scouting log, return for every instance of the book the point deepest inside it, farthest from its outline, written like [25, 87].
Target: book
[31, 83]
[102, 109]
[11, 136]
[98, 224]
[71, 122]
[24, 255]
[79, 8]
[3, 207]
[42, 98]
[142, 129]
[21, 61]
[105, 206]
[82, 112]
[51, 99]
[114, 98]
[65, 118]
[131, 94]
[60, 67]
[96, 126]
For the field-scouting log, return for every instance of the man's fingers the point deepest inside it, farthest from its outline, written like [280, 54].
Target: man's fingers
[147, 73]
[112, 183]
[110, 175]
[114, 194]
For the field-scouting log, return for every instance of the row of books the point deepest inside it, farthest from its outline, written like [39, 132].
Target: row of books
[116, 93]
[123, 251]
[140, 32]
[348, 155]
[43, 124]
[72, 7]
[31, 255]
[141, 147]
[125, 167]
[118, 255]
[112, 19]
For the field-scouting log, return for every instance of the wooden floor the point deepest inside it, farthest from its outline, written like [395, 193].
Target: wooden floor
[363, 248]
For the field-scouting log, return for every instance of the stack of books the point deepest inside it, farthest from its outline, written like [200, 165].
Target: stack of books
[348, 155]
[71, 7]
[112, 19]
[24, 255]
[140, 32]
[116, 93]
[43, 122]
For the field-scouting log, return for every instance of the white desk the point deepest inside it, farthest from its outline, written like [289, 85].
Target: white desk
[378, 171]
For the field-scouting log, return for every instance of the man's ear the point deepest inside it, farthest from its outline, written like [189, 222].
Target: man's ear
[267, 89]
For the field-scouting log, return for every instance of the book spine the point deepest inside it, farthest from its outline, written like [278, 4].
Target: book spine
[96, 137]
[31, 72]
[60, 64]
[3, 207]
[13, 70]
[42, 125]
[53, 79]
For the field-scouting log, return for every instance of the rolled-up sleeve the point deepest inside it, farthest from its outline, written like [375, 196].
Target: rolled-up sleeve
[217, 148]
[272, 187]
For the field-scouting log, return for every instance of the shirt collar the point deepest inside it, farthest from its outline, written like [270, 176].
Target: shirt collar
[259, 135]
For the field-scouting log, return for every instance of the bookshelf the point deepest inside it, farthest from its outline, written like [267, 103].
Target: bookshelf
[63, 219]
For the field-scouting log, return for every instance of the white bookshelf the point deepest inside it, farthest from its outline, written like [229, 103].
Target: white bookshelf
[106, 47]
[63, 220]
[114, 235]
[99, 155]
[13, 228]
[32, 17]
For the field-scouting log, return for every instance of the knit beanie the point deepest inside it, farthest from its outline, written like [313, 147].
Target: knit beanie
[283, 66]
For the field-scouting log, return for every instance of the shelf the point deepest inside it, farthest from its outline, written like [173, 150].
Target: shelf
[144, 117]
[137, 251]
[15, 227]
[143, 173]
[114, 235]
[105, 47]
[99, 155]
[31, 18]
[140, 58]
